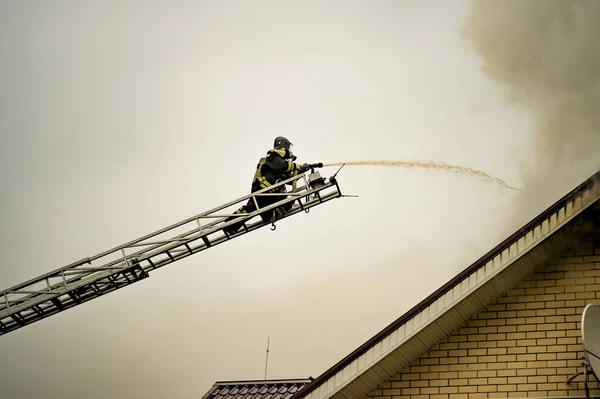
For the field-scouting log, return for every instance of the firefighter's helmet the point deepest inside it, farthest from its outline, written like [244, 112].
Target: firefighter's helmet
[282, 142]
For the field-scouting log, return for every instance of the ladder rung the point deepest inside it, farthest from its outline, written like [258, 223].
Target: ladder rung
[17, 318]
[74, 296]
[57, 302]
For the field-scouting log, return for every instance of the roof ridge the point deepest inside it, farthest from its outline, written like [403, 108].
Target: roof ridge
[270, 381]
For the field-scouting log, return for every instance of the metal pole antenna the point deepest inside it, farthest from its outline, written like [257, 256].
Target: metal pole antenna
[267, 360]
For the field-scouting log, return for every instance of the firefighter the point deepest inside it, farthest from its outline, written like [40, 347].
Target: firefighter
[277, 166]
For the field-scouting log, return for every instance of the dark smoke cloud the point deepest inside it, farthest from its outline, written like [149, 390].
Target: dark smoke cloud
[545, 55]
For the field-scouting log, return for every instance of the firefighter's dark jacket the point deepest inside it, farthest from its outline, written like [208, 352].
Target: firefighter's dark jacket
[271, 170]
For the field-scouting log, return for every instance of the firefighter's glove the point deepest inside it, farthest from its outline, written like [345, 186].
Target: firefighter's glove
[303, 168]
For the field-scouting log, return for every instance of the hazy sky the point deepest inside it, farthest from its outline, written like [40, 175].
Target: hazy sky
[119, 118]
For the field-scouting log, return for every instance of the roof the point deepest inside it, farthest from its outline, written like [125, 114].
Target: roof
[461, 298]
[256, 389]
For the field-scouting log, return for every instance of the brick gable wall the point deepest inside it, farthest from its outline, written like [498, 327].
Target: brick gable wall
[526, 344]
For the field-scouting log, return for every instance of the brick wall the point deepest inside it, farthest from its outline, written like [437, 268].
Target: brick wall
[526, 344]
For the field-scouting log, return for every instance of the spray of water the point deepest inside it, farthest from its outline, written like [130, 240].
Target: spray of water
[431, 165]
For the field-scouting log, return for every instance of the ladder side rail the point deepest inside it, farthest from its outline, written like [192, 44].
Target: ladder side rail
[264, 209]
[119, 265]
[104, 287]
[61, 287]
[201, 215]
[256, 225]
[252, 227]
[184, 238]
[151, 235]
[59, 273]
[58, 288]
[179, 241]
[303, 191]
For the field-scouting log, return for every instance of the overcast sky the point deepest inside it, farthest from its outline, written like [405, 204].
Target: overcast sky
[120, 118]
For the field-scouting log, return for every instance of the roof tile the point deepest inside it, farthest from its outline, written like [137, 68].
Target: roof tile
[256, 389]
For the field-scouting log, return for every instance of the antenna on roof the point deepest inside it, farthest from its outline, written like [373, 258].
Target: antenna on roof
[590, 334]
[267, 360]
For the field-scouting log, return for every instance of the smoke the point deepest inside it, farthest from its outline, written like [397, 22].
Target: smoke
[545, 56]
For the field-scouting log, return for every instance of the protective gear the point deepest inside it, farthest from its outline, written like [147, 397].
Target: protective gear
[282, 142]
[275, 168]
[302, 168]
[270, 170]
[259, 165]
